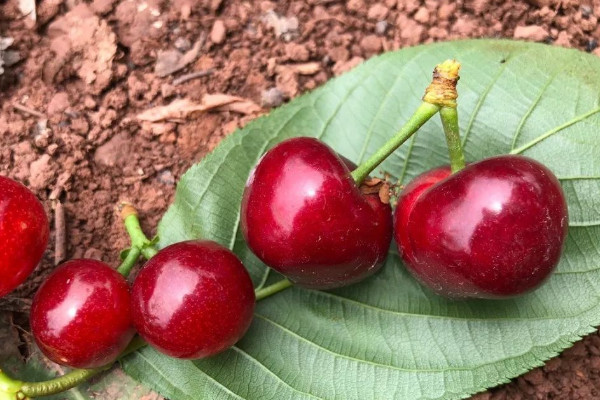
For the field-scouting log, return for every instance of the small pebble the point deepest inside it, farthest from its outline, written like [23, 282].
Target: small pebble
[531, 32]
[166, 176]
[381, 27]
[591, 45]
[272, 97]
[218, 32]
[183, 44]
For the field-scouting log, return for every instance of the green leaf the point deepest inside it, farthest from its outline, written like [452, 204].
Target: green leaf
[388, 337]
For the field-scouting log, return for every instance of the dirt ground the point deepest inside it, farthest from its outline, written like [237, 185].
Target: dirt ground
[74, 79]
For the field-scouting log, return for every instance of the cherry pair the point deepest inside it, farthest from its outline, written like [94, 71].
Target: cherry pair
[493, 229]
[191, 300]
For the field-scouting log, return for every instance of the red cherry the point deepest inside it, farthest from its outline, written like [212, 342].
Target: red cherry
[494, 229]
[81, 316]
[24, 234]
[192, 300]
[303, 215]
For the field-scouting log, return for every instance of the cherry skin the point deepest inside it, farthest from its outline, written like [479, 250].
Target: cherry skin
[192, 300]
[304, 216]
[492, 230]
[81, 316]
[24, 234]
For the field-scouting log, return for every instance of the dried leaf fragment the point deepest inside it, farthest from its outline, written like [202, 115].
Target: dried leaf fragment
[171, 61]
[27, 8]
[183, 108]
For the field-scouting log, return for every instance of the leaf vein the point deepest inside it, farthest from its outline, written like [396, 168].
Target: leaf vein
[553, 131]
[534, 104]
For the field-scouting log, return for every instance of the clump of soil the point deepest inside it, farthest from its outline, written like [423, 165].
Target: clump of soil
[69, 125]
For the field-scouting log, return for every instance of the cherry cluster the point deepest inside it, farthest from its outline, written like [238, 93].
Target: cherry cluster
[494, 228]
[191, 300]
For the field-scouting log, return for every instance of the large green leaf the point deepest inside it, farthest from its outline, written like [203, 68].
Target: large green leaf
[388, 337]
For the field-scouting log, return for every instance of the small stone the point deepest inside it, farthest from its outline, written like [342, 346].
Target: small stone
[377, 12]
[422, 15]
[92, 253]
[531, 32]
[446, 10]
[287, 81]
[58, 104]
[371, 44]
[339, 53]
[535, 377]
[286, 28]
[591, 45]
[218, 32]
[410, 6]
[89, 102]
[355, 5]
[410, 30]
[183, 44]
[478, 6]
[586, 11]
[115, 152]
[166, 177]
[381, 27]
[296, 52]
[341, 67]
[464, 26]
[167, 90]
[563, 39]
[41, 172]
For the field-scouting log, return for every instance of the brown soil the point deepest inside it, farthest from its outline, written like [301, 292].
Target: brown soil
[68, 125]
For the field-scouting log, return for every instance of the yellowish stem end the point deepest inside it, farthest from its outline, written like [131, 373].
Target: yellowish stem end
[442, 90]
[126, 209]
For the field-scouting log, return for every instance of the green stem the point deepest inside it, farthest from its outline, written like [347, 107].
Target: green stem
[138, 238]
[441, 93]
[73, 378]
[9, 388]
[421, 115]
[272, 289]
[449, 118]
[129, 261]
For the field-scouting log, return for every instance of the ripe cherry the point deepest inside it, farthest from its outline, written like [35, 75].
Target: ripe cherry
[494, 229]
[304, 216]
[23, 234]
[192, 300]
[80, 316]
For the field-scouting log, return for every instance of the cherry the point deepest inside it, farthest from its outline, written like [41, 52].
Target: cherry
[304, 216]
[24, 234]
[192, 300]
[494, 229]
[80, 316]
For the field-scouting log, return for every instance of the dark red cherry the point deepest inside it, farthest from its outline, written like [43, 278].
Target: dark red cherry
[80, 316]
[494, 229]
[303, 215]
[23, 234]
[192, 300]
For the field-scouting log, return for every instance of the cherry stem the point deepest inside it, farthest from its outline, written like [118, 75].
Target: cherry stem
[73, 378]
[272, 289]
[440, 94]
[449, 118]
[421, 115]
[137, 236]
[133, 254]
